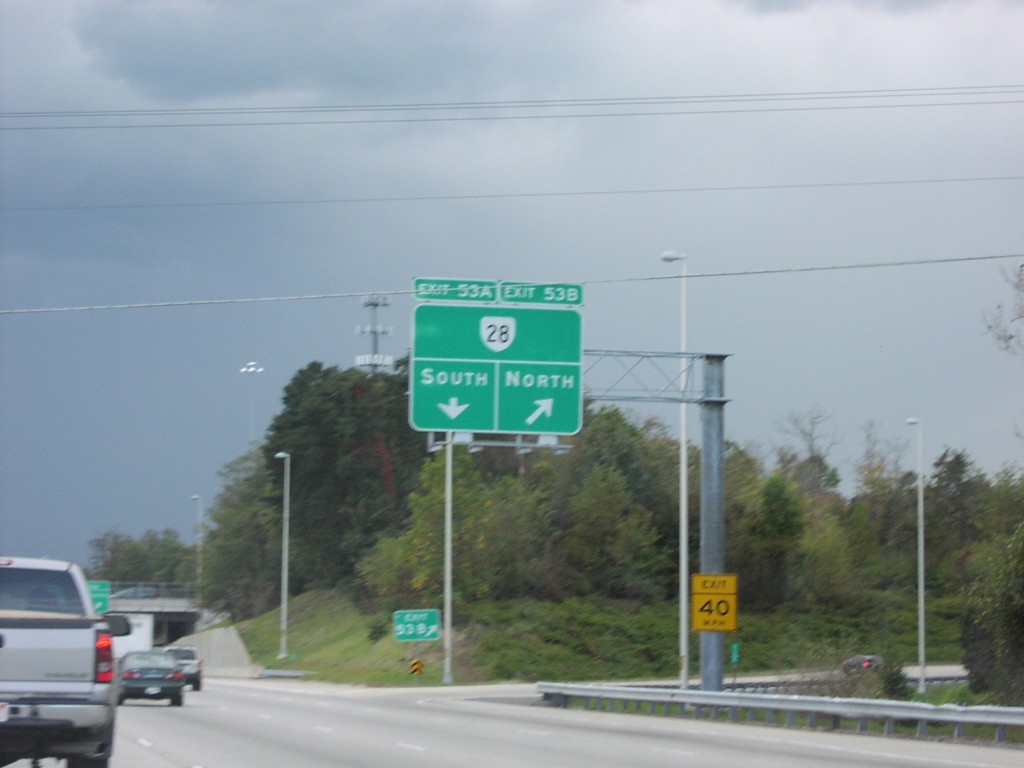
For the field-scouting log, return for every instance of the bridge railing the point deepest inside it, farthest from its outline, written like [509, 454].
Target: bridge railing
[809, 711]
[151, 595]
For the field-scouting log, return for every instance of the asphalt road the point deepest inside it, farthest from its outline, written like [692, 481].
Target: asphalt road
[298, 724]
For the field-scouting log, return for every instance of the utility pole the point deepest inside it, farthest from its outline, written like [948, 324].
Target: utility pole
[375, 360]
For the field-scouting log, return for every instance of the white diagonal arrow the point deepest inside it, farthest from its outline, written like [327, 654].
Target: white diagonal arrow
[452, 409]
[544, 408]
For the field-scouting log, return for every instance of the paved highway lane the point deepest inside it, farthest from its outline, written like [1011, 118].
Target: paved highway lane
[297, 724]
[257, 724]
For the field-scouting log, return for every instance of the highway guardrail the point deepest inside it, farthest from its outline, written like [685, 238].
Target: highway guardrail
[809, 711]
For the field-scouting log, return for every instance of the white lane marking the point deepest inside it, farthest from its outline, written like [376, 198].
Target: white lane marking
[145, 743]
[414, 747]
[680, 752]
[323, 729]
[532, 732]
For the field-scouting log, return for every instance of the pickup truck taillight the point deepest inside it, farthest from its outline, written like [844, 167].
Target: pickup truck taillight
[104, 657]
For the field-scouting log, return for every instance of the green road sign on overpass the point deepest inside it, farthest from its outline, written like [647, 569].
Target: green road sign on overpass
[100, 593]
[496, 368]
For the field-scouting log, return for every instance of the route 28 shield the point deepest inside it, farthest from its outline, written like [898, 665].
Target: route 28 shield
[497, 333]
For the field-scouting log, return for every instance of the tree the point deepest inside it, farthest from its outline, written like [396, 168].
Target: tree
[1003, 507]
[155, 556]
[1006, 322]
[117, 557]
[956, 495]
[744, 486]
[410, 564]
[880, 520]
[544, 530]
[772, 540]
[242, 548]
[995, 639]
[645, 460]
[827, 567]
[809, 470]
[354, 462]
[611, 544]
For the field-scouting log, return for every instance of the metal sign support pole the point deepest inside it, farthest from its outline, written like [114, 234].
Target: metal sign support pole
[712, 509]
[447, 677]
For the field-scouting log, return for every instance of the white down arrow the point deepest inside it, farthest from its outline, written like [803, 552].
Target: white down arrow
[453, 409]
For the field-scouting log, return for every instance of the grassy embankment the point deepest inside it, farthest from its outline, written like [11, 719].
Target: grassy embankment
[332, 639]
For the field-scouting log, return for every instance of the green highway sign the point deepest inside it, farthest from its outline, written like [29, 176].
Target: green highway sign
[100, 593]
[417, 625]
[542, 398]
[490, 291]
[496, 368]
[550, 294]
[449, 289]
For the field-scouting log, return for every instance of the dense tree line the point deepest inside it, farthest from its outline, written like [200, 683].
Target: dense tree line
[367, 501]
[156, 556]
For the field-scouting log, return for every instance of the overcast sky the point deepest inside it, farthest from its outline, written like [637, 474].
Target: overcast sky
[189, 151]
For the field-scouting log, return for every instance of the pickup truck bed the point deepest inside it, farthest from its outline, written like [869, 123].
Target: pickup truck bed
[57, 681]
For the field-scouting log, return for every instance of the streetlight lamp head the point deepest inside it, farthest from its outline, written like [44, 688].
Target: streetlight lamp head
[913, 420]
[670, 256]
[281, 455]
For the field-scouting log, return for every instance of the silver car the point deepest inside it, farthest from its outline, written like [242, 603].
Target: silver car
[189, 663]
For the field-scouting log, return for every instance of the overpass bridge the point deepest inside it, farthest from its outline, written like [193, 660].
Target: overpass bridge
[173, 606]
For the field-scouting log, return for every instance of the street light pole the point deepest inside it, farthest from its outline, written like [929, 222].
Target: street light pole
[921, 672]
[283, 652]
[199, 541]
[684, 511]
[251, 367]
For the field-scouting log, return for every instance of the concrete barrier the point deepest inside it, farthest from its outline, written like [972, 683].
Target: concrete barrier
[223, 653]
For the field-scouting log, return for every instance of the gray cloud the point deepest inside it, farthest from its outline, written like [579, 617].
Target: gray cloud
[116, 418]
[894, 6]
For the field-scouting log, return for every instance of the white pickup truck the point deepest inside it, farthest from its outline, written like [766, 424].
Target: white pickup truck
[57, 670]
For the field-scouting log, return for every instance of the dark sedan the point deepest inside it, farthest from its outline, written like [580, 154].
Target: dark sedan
[150, 675]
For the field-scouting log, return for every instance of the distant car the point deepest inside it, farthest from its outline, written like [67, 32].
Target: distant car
[150, 675]
[861, 663]
[189, 663]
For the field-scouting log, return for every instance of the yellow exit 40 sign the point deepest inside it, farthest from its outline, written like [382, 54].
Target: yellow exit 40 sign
[713, 602]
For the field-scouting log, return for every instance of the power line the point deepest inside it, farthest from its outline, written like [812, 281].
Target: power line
[983, 90]
[825, 268]
[624, 280]
[715, 104]
[498, 118]
[510, 195]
